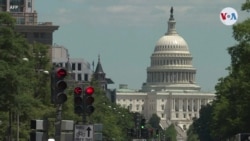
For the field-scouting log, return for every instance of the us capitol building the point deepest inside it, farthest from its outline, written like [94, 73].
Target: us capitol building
[170, 90]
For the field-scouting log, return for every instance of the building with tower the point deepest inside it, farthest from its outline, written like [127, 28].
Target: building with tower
[170, 90]
[100, 76]
[27, 21]
[80, 69]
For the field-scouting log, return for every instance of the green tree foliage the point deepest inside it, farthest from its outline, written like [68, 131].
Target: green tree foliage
[191, 134]
[170, 133]
[154, 121]
[201, 126]
[115, 119]
[230, 110]
[24, 88]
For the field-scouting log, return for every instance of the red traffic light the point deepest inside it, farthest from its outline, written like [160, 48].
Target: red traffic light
[61, 72]
[78, 90]
[89, 90]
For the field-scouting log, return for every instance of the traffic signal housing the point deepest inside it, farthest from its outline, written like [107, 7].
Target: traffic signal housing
[157, 132]
[143, 122]
[58, 85]
[144, 133]
[89, 99]
[78, 100]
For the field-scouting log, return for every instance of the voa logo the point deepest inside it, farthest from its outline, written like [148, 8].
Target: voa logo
[228, 16]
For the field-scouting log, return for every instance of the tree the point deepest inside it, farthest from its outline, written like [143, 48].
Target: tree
[19, 79]
[191, 134]
[229, 113]
[170, 133]
[201, 126]
[154, 121]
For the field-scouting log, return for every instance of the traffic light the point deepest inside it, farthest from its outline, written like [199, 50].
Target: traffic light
[58, 85]
[157, 132]
[78, 100]
[143, 122]
[144, 133]
[151, 132]
[137, 118]
[89, 99]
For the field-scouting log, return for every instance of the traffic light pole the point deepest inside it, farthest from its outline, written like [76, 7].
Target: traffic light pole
[84, 114]
[58, 122]
[84, 118]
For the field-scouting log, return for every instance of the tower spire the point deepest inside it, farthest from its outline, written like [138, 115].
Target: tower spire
[171, 23]
[99, 58]
[99, 66]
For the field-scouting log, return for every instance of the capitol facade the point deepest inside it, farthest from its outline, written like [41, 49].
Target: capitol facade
[170, 90]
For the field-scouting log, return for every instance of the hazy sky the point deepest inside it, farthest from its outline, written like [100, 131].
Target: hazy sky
[124, 33]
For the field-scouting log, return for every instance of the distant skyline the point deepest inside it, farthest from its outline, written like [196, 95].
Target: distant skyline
[124, 33]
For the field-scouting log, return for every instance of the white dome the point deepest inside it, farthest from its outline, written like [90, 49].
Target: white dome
[171, 63]
[171, 43]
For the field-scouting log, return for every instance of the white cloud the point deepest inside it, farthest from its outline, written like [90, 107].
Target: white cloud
[140, 12]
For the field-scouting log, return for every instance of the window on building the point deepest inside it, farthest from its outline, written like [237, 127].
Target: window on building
[195, 108]
[79, 77]
[137, 107]
[42, 35]
[79, 66]
[20, 20]
[86, 77]
[162, 115]
[176, 108]
[184, 116]
[177, 115]
[36, 35]
[184, 127]
[60, 64]
[74, 76]
[189, 108]
[29, 4]
[130, 107]
[162, 107]
[73, 66]
[184, 108]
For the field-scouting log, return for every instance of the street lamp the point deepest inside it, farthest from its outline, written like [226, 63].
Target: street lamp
[25, 59]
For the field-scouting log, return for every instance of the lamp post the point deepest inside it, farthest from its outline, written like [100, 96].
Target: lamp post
[17, 113]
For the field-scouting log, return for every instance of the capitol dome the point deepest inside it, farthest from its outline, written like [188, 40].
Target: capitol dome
[171, 63]
[171, 43]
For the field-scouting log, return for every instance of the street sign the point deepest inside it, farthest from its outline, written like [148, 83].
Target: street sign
[83, 132]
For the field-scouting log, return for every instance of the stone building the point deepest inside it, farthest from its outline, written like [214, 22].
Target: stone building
[170, 90]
